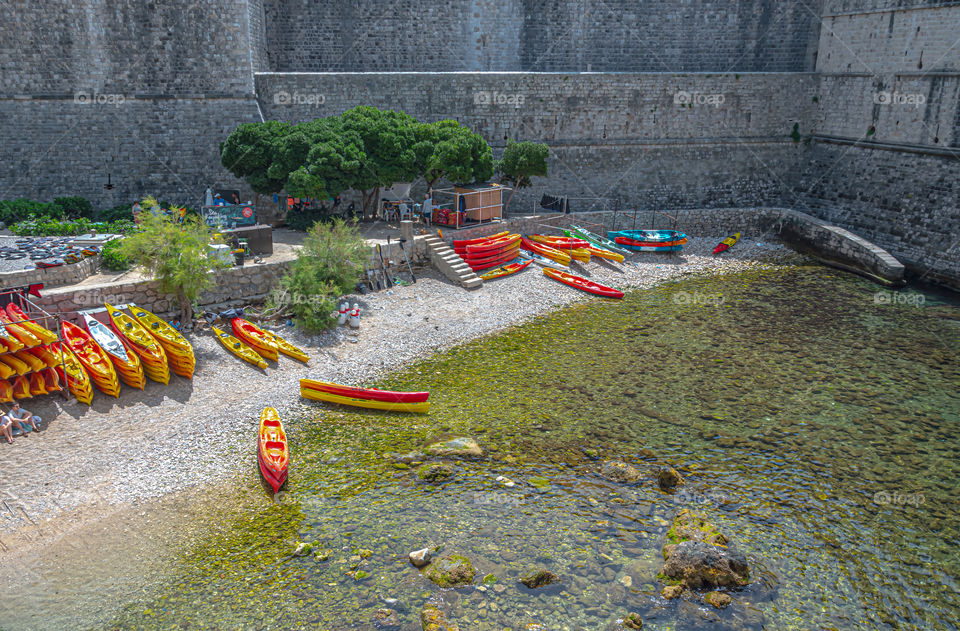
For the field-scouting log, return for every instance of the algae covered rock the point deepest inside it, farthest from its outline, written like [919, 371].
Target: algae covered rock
[620, 472]
[633, 621]
[718, 599]
[432, 619]
[435, 472]
[669, 478]
[386, 619]
[699, 564]
[691, 526]
[303, 549]
[672, 591]
[539, 578]
[461, 446]
[453, 570]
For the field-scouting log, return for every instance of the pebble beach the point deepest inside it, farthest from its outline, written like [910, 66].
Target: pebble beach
[88, 461]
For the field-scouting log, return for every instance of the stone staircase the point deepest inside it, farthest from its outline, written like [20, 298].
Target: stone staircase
[450, 265]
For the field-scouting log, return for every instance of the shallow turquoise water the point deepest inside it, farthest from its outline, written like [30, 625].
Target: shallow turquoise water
[815, 421]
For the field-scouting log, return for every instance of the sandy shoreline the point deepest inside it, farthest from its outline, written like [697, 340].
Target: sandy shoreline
[92, 462]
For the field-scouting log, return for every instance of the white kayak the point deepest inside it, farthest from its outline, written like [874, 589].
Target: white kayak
[106, 338]
[543, 261]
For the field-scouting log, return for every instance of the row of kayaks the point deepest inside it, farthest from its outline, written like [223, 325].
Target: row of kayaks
[254, 345]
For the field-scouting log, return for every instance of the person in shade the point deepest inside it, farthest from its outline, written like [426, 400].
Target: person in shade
[6, 426]
[19, 417]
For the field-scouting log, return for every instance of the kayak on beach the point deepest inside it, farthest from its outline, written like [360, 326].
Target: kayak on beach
[273, 454]
[373, 394]
[583, 284]
[310, 390]
[595, 239]
[727, 243]
[239, 349]
[656, 236]
[507, 270]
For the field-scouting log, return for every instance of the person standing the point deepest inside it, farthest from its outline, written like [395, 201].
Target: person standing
[428, 208]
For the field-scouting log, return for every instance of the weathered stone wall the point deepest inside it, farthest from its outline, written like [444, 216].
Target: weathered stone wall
[52, 276]
[542, 35]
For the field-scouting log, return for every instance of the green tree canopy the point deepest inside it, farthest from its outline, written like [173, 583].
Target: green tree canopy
[448, 149]
[520, 162]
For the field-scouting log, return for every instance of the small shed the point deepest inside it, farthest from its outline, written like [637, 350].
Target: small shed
[478, 202]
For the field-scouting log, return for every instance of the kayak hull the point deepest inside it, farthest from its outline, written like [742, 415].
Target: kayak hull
[387, 396]
[506, 270]
[658, 236]
[239, 349]
[583, 284]
[273, 454]
[317, 395]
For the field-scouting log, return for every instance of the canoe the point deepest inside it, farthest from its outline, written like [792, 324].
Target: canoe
[25, 337]
[595, 239]
[506, 270]
[373, 394]
[561, 243]
[491, 259]
[624, 241]
[486, 258]
[21, 388]
[458, 243]
[6, 391]
[603, 253]
[17, 315]
[8, 341]
[138, 340]
[91, 357]
[256, 338]
[583, 284]
[239, 349]
[128, 365]
[273, 454]
[542, 261]
[317, 395]
[727, 243]
[289, 349]
[506, 258]
[657, 248]
[660, 236]
[546, 251]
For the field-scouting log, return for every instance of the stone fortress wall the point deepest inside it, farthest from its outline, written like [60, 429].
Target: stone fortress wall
[663, 105]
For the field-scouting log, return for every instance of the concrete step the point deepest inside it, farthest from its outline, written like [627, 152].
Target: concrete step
[450, 264]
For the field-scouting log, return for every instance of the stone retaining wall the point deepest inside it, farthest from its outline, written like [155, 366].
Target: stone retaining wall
[52, 276]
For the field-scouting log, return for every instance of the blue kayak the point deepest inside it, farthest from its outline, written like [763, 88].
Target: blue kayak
[648, 236]
[651, 248]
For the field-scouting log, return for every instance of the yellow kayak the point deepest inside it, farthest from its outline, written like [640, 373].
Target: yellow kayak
[288, 349]
[316, 395]
[602, 253]
[30, 360]
[15, 364]
[239, 349]
[139, 340]
[169, 337]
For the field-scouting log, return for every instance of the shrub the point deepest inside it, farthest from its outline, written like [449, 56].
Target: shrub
[113, 256]
[40, 227]
[12, 211]
[305, 218]
[175, 252]
[75, 206]
[123, 211]
[329, 264]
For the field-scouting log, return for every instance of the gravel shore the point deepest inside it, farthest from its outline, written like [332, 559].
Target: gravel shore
[168, 438]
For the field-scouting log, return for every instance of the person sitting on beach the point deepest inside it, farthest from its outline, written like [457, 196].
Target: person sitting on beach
[5, 425]
[19, 416]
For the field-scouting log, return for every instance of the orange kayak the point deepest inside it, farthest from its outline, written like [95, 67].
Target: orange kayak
[255, 337]
[25, 337]
[91, 357]
[583, 284]
[22, 319]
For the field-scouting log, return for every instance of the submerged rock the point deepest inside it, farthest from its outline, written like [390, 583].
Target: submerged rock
[669, 478]
[420, 558]
[458, 446]
[691, 526]
[386, 619]
[620, 472]
[453, 570]
[303, 549]
[409, 458]
[672, 591]
[432, 619]
[539, 578]
[698, 564]
[434, 472]
[718, 599]
[505, 481]
[633, 621]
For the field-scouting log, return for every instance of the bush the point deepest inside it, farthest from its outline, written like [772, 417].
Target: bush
[303, 219]
[40, 227]
[113, 256]
[123, 211]
[329, 264]
[12, 211]
[75, 206]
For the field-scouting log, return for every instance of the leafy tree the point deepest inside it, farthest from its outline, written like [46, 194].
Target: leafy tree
[520, 162]
[174, 251]
[448, 149]
[329, 264]
[250, 151]
[75, 206]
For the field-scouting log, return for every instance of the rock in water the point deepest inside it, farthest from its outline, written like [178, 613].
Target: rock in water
[620, 472]
[458, 446]
[698, 564]
[633, 621]
[386, 619]
[669, 478]
[718, 599]
[432, 619]
[691, 526]
[539, 578]
[434, 472]
[420, 558]
[672, 591]
[453, 570]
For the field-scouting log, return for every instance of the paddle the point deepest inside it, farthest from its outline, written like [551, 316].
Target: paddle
[383, 266]
[402, 249]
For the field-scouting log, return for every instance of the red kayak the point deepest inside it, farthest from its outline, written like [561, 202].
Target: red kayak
[459, 243]
[583, 284]
[364, 393]
[727, 243]
[491, 246]
[648, 244]
[273, 455]
[480, 260]
[500, 260]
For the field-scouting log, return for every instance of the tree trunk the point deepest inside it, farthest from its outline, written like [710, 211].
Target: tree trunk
[513, 192]
[366, 201]
[186, 310]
